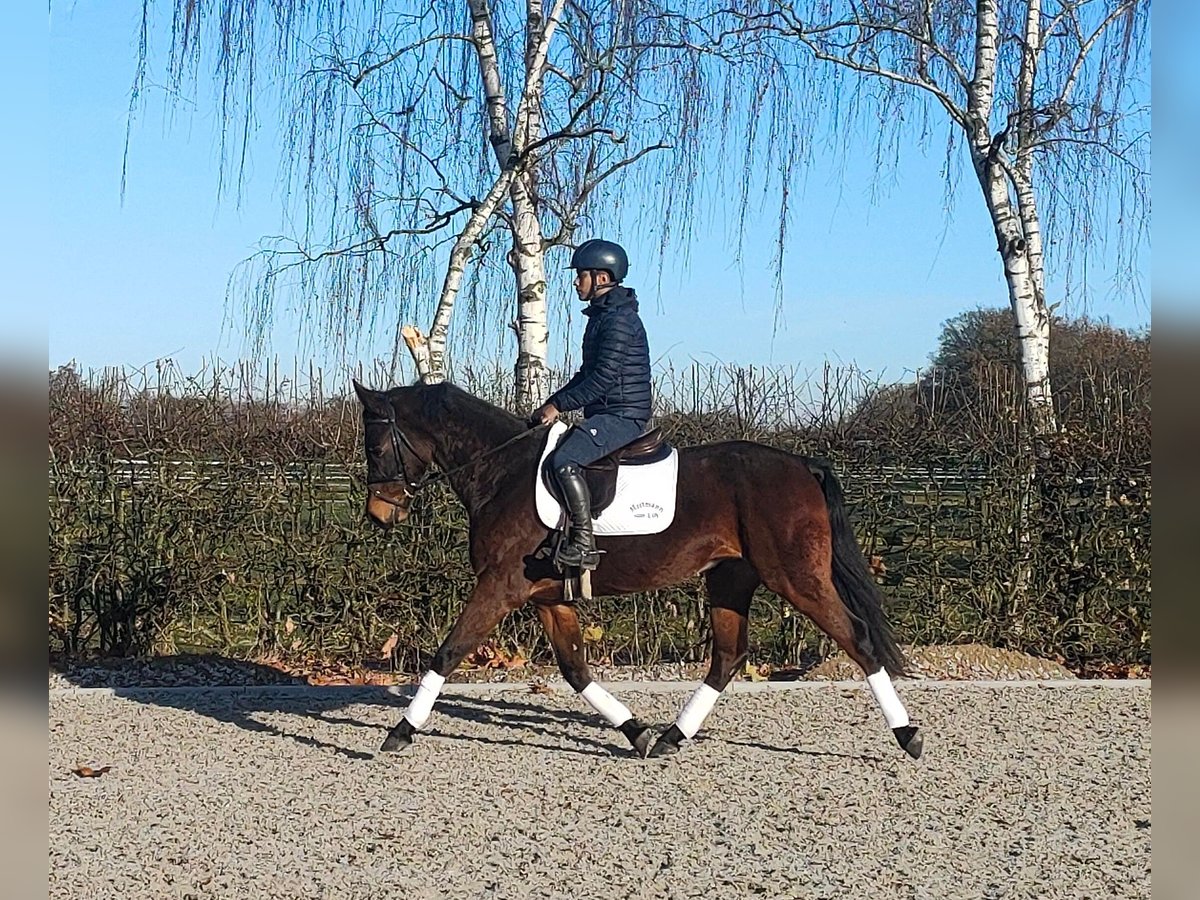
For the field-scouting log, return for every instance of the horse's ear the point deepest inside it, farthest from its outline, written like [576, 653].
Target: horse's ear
[365, 395]
[374, 402]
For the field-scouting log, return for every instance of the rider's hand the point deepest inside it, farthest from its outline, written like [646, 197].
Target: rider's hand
[543, 415]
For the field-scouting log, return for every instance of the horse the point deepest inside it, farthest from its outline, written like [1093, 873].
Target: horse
[746, 515]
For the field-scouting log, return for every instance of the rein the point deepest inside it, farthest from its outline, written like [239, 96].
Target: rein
[412, 487]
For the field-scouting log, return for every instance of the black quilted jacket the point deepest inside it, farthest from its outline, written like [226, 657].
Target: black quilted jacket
[614, 377]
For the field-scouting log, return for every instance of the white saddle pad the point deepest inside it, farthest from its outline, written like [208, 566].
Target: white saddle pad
[644, 501]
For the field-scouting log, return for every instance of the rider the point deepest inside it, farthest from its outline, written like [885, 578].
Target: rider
[612, 386]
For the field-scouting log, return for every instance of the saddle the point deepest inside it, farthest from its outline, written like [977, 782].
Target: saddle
[601, 475]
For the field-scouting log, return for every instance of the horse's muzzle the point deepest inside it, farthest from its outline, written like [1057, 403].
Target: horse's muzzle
[387, 504]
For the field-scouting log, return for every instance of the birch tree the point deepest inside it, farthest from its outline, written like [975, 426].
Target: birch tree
[1041, 94]
[427, 148]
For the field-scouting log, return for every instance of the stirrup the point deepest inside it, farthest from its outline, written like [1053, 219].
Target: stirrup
[568, 555]
[571, 557]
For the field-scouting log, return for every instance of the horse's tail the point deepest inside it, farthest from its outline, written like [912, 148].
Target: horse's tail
[851, 576]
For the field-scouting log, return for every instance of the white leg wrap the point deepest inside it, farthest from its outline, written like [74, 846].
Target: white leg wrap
[606, 704]
[885, 695]
[422, 705]
[696, 710]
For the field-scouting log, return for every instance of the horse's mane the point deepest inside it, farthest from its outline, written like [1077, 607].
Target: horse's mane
[446, 402]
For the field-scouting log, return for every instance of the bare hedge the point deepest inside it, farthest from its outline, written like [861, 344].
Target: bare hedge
[223, 512]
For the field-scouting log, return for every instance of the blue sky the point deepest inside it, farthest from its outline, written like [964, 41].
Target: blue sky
[126, 284]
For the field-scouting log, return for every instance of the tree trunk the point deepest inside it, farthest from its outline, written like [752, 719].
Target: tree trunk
[1028, 303]
[527, 256]
[1032, 321]
[429, 353]
[531, 377]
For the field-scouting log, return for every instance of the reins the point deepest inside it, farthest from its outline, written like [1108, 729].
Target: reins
[412, 487]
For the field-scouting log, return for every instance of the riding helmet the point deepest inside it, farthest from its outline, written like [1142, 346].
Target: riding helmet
[605, 255]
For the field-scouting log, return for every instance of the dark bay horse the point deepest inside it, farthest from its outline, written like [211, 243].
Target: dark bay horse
[746, 514]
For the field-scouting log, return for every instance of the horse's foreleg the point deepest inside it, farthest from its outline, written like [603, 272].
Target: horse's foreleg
[489, 604]
[730, 587]
[561, 624]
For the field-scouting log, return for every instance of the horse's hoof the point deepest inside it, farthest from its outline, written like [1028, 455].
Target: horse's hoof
[399, 738]
[909, 739]
[663, 748]
[638, 735]
[668, 744]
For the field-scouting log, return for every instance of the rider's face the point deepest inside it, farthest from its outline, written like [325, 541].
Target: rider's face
[583, 284]
[587, 282]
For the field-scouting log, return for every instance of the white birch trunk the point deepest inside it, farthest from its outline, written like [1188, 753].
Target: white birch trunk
[528, 254]
[500, 136]
[1031, 312]
[1025, 294]
[531, 376]
[1026, 300]
[435, 345]
[1023, 170]
[1028, 304]
[430, 353]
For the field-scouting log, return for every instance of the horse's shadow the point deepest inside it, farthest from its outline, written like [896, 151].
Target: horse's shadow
[801, 751]
[509, 713]
[254, 706]
[258, 696]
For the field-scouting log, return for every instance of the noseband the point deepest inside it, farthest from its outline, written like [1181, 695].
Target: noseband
[399, 438]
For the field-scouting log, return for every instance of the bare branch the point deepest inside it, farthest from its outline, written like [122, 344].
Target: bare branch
[403, 141]
[366, 71]
[952, 109]
[571, 216]
[870, 28]
[1064, 96]
[564, 135]
[1119, 154]
[360, 248]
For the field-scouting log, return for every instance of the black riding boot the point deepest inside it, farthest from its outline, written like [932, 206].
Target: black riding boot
[581, 550]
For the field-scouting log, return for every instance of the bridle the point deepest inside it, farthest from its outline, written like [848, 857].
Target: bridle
[399, 438]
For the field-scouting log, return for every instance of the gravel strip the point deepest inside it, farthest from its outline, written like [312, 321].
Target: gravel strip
[1023, 792]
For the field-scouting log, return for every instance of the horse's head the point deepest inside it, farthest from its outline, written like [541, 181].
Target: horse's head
[394, 463]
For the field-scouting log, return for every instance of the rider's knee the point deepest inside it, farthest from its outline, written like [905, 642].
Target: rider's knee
[566, 469]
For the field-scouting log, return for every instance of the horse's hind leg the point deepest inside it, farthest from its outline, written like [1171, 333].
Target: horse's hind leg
[561, 624]
[818, 599]
[731, 585]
